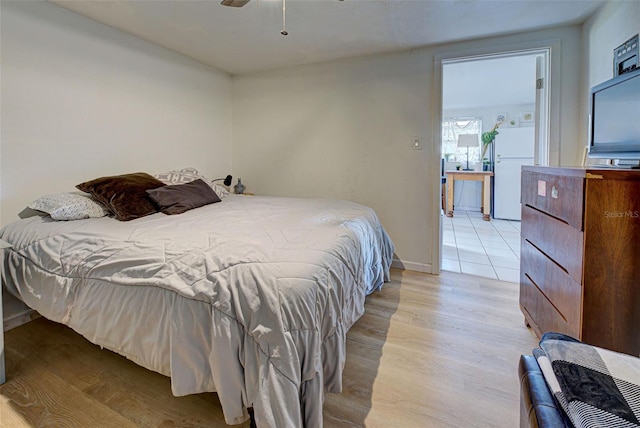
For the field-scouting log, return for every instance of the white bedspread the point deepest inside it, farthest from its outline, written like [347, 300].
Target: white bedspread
[250, 297]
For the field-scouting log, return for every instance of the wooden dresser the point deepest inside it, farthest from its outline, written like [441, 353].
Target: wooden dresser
[580, 254]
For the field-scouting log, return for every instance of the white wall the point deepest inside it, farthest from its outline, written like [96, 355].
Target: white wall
[82, 100]
[610, 26]
[344, 130]
[341, 130]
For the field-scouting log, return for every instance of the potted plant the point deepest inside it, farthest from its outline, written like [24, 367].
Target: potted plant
[485, 164]
[489, 137]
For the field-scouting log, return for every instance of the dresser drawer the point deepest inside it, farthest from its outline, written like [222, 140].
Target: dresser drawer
[559, 196]
[553, 282]
[541, 313]
[556, 239]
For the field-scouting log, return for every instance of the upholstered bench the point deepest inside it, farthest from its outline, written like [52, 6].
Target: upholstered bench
[567, 383]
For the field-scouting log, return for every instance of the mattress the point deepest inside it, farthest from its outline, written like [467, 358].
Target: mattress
[251, 297]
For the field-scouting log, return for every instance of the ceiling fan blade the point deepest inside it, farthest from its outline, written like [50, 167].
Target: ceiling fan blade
[234, 3]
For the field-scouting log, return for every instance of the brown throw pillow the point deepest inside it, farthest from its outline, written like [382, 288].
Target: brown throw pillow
[125, 195]
[179, 198]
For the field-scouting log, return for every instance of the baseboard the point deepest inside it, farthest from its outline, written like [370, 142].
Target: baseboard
[405, 265]
[472, 209]
[15, 312]
[18, 319]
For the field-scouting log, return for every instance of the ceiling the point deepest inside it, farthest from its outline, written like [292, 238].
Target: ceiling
[248, 39]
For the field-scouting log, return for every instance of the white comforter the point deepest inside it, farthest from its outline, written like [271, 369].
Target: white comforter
[250, 297]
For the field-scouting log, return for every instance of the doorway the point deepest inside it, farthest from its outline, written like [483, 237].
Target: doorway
[505, 92]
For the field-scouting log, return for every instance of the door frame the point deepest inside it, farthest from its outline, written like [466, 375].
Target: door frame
[551, 99]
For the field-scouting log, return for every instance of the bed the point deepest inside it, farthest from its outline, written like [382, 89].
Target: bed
[568, 383]
[250, 297]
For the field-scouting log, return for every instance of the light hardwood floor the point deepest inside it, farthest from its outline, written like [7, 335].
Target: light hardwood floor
[430, 351]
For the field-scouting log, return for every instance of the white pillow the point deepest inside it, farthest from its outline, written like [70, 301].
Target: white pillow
[187, 175]
[220, 190]
[68, 206]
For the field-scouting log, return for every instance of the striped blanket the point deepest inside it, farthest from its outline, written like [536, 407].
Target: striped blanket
[595, 387]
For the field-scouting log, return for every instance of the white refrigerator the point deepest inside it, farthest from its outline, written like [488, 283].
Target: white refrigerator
[513, 148]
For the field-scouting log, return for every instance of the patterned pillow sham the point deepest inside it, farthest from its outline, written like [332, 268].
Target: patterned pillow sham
[187, 175]
[69, 206]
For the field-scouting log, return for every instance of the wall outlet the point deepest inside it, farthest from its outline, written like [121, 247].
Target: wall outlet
[416, 143]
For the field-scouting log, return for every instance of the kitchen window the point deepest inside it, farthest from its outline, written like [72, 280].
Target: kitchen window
[451, 129]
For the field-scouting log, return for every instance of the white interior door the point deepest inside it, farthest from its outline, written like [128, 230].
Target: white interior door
[542, 109]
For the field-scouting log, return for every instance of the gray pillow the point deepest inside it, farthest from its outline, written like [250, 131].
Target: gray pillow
[179, 198]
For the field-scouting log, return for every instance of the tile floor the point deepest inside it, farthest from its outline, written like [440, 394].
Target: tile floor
[490, 249]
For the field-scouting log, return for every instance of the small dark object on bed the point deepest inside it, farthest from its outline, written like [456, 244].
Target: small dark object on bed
[226, 182]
